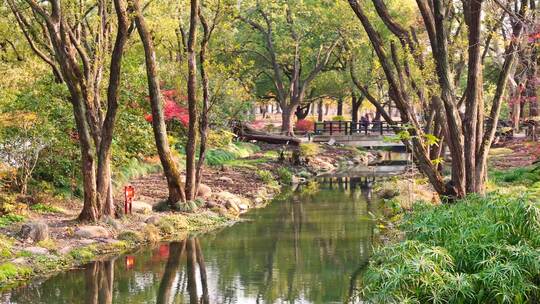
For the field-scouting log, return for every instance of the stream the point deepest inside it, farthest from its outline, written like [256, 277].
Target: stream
[308, 246]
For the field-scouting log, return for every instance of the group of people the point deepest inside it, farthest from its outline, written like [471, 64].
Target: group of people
[366, 120]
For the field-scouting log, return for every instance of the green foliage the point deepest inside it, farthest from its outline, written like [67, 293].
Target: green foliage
[131, 237]
[479, 250]
[215, 157]
[44, 208]
[10, 270]
[8, 219]
[82, 254]
[524, 176]
[266, 176]
[285, 176]
[309, 149]
[338, 118]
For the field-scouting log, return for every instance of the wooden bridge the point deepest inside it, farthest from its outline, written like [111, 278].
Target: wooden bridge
[362, 134]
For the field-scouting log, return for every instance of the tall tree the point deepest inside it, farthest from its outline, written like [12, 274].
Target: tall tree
[170, 169]
[293, 58]
[468, 142]
[79, 59]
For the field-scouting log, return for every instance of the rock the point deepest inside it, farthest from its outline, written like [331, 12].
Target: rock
[232, 206]
[210, 204]
[259, 200]
[86, 241]
[226, 179]
[204, 191]
[243, 206]
[65, 250]
[331, 142]
[91, 232]
[37, 250]
[153, 220]
[141, 207]
[35, 231]
[113, 223]
[20, 261]
[227, 197]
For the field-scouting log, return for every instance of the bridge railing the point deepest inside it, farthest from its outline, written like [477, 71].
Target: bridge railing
[353, 128]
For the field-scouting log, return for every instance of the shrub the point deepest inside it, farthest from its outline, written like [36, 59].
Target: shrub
[338, 118]
[309, 149]
[285, 176]
[266, 176]
[304, 125]
[479, 250]
[220, 138]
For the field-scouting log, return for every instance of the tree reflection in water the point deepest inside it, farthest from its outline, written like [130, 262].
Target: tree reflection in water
[309, 246]
[189, 249]
[99, 282]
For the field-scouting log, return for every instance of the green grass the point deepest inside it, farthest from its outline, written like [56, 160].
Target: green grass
[479, 250]
[44, 208]
[524, 176]
[8, 219]
[237, 150]
[10, 270]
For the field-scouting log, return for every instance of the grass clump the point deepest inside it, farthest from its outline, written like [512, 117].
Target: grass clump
[309, 149]
[8, 219]
[479, 250]
[216, 157]
[8, 271]
[266, 176]
[82, 254]
[131, 237]
[44, 208]
[285, 176]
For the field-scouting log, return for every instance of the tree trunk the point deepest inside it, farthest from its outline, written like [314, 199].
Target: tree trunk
[158, 120]
[340, 107]
[302, 111]
[356, 103]
[320, 114]
[192, 103]
[287, 119]
[473, 12]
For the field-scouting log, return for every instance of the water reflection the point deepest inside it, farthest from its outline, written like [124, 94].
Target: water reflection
[309, 246]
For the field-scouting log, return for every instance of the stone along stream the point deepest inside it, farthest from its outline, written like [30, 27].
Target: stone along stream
[307, 246]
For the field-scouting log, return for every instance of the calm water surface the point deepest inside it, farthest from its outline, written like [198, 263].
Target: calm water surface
[305, 247]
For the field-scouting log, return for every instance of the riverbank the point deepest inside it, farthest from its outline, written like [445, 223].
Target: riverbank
[477, 250]
[45, 238]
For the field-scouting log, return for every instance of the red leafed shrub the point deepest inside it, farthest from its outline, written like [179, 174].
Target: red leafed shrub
[305, 125]
[171, 109]
[258, 124]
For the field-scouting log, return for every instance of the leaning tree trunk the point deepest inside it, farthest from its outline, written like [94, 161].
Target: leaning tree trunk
[158, 120]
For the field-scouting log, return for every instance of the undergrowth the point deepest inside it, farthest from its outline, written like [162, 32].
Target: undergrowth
[478, 250]
[216, 157]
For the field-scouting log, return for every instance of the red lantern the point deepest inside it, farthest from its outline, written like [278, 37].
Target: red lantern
[130, 261]
[129, 194]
